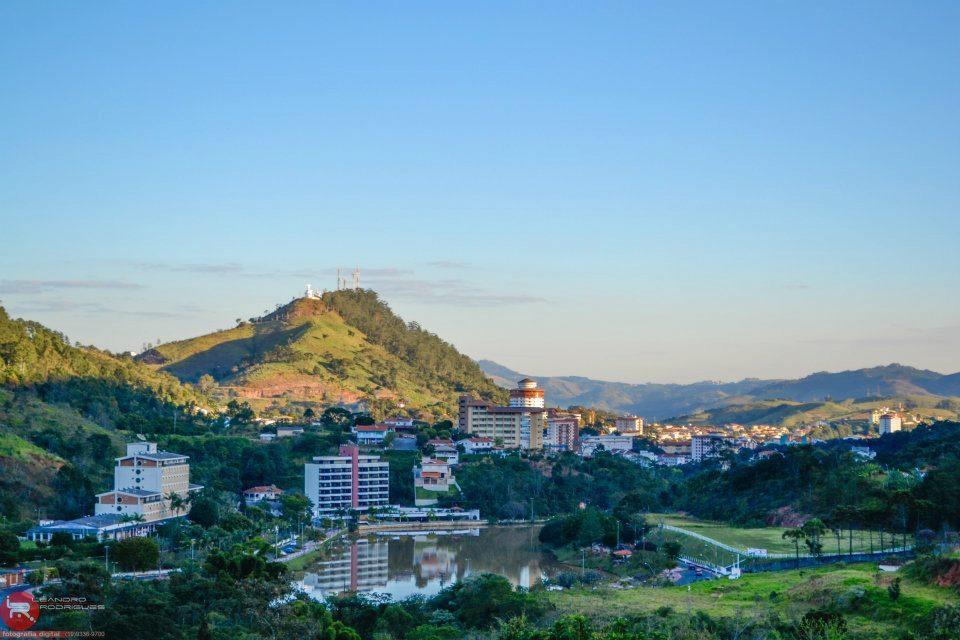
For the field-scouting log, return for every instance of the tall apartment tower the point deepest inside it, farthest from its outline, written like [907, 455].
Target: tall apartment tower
[348, 481]
[144, 481]
[527, 395]
[890, 423]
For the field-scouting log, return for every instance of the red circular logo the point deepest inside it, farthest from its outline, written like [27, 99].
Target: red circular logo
[19, 611]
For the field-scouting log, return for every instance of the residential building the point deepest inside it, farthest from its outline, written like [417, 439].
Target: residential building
[145, 481]
[527, 394]
[348, 481]
[399, 423]
[629, 424]
[444, 449]
[890, 423]
[476, 445]
[432, 477]
[267, 492]
[289, 432]
[708, 445]
[513, 427]
[590, 444]
[371, 434]
[563, 432]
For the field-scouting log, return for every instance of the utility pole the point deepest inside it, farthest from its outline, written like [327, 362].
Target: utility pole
[106, 558]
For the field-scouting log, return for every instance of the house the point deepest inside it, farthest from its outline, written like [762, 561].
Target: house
[371, 434]
[399, 423]
[477, 445]
[267, 437]
[445, 450]
[263, 492]
[289, 432]
[432, 478]
[108, 526]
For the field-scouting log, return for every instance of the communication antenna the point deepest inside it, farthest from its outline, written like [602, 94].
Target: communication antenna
[339, 279]
[356, 278]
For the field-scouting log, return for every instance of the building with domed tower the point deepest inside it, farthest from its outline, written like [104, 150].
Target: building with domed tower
[527, 394]
[521, 425]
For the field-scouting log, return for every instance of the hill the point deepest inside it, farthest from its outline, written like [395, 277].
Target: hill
[344, 347]
[792, 413]
[755, 400]
[62, 408]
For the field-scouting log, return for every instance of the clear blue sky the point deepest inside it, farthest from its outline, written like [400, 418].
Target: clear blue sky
[633, 191]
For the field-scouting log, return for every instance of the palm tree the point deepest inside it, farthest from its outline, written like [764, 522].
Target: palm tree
[177, 502]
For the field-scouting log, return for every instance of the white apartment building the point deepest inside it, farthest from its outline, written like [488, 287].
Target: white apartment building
[144, 481]
[629, 424]
[349, 481]
[707, 446]
[890, 423]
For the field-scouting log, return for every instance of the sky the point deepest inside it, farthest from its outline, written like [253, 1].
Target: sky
[635, 191]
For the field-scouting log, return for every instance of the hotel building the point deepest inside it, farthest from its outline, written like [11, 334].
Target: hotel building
[144, 481]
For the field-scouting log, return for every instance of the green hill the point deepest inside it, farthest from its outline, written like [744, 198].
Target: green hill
[346, 347]
[791, 413]
[62, 412]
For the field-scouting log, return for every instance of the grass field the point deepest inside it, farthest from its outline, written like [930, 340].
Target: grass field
[769, 538]
[857, 590]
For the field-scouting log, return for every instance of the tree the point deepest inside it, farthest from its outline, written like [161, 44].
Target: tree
[295, 508]
[206, 383]
[813, 529]
[204, 512]
[9, 548]
[177, 502]
[796, 535]
[136, 554]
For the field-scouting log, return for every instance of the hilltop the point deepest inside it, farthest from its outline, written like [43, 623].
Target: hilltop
[342, 347]
[753, 400]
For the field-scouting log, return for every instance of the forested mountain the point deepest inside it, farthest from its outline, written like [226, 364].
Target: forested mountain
[346, 347]
[667, 400]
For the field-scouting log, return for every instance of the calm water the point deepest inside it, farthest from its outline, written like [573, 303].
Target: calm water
[426, 563]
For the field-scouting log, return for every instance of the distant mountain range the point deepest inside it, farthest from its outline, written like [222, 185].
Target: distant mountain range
[667, 400]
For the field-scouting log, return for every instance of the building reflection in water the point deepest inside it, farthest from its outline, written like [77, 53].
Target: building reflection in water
[402, 566]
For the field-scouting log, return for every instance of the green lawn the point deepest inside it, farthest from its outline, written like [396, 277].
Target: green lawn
[858, 590]
[769, 538]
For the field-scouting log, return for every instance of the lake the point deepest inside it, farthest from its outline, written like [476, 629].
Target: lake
[425, 563]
